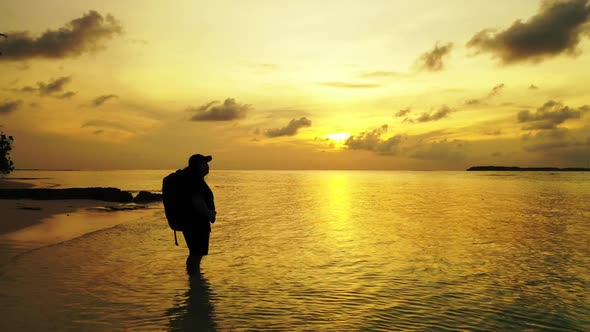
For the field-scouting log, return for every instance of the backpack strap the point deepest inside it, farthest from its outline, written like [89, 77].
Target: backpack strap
[175, 239]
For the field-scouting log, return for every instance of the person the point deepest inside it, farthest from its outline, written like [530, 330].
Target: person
[196, 232]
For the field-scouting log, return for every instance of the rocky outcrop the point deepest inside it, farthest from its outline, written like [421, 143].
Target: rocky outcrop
[98, 193]
[147, 197]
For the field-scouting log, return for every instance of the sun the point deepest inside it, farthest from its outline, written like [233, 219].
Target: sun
[338, 138]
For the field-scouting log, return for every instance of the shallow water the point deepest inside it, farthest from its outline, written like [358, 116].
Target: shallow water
[324, 250]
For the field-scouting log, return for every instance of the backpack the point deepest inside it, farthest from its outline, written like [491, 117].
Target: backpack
[177, 205]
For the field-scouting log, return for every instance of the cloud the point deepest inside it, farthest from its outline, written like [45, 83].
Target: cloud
[368, 140]
[555, 29]
[81, 35]
[66, 95]
[229, 110]
[379, 74]
[371, 141]
[350, 85]
[442, 112]
[403, 112]
[433, 59]
[496, 132]
[105, 124]
[53, 88]
[549, 116]
[102, 99]
[442, 150]
[291, 128]
[496, 90]
[7, 107]
[558, 139]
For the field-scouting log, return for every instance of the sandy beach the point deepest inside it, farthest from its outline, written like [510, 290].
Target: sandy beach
[27, 224]
[20, 214]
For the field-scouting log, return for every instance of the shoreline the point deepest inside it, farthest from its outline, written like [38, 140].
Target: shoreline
[23, 213]
[57, 219]
[12, 184]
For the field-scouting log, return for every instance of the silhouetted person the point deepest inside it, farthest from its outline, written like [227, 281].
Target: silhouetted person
[196, 232]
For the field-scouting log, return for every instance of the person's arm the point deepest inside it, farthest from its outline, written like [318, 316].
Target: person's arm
[201, 208]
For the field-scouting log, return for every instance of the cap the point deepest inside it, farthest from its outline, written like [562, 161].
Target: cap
[197, 158]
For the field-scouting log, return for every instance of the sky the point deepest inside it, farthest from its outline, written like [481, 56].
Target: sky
[368, 85]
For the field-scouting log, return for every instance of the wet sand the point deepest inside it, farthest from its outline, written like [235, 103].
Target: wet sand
[35, 223]
[10, 184]
[23, 213]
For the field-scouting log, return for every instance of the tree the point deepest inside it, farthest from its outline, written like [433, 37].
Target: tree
[6, 165]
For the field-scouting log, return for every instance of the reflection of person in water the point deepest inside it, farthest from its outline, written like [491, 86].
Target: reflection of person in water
[194, 312]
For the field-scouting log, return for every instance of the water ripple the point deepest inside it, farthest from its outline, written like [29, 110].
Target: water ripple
[336, 251]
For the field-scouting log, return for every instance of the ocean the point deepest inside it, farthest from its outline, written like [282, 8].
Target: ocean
[321, 250]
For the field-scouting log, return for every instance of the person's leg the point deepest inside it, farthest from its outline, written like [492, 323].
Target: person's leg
[198, 244]
[194, 257]
[193, 263]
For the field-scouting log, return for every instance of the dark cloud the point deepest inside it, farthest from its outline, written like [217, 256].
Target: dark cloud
[102, 99]
[433, 59]
[555, 29]
[54, 88]
[496, 90]
[379, 74]
[372, 141]
[229, 110]
[7, 107]
[403, 112]
[551, 135]
[350, 85]
[81, 35]
[390, 146]
[570, 146]
[290, 129]
[368, 140]
[442, 112]
[66, 95]
[549, 116]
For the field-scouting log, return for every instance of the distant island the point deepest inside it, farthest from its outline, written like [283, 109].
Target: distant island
[527, 169]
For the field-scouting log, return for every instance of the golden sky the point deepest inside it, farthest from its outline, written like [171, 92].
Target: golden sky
[303, 84]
